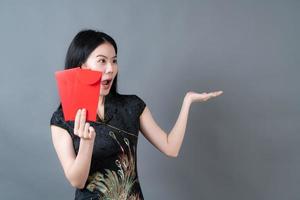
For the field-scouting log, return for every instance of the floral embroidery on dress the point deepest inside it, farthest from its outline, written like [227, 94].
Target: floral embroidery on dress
[116, 185]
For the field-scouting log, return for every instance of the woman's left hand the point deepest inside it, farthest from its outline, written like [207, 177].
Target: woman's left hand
[200, 97]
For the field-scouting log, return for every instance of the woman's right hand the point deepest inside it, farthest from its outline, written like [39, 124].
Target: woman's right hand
[83, 129]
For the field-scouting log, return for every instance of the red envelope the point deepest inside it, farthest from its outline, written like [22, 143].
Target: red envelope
[79, 88]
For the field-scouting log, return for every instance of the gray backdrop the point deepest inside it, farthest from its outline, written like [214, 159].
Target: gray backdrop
[242, 145]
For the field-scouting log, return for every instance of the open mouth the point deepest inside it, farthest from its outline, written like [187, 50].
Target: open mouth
[106, 82]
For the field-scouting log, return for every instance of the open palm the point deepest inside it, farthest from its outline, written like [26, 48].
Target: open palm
[200, 97]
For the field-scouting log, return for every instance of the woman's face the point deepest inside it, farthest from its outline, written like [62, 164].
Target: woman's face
[103, 59]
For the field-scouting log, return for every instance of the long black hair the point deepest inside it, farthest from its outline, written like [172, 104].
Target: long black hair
[82, 45]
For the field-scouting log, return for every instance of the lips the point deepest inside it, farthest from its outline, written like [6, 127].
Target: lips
[106, 81]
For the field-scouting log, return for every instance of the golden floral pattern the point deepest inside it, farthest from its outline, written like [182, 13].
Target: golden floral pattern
[116, 185]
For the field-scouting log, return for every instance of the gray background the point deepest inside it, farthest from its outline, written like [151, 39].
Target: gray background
[242, 145]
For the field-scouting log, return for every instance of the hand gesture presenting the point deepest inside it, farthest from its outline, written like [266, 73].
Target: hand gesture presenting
[83, 129]
[200, 97]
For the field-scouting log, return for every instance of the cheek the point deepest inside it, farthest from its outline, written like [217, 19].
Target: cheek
[94, 65]
[99, 68]
[116, 70]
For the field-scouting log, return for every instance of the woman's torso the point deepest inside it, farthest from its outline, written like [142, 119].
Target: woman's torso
[113, 171]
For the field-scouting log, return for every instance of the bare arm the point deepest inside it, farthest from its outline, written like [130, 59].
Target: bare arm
[76, 168]
[170, 144]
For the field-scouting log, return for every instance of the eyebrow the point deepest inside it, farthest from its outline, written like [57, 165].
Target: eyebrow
[104, 56]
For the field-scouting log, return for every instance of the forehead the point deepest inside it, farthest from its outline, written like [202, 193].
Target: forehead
[105, 49]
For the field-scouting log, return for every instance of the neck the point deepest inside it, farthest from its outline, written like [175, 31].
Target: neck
[101, 100]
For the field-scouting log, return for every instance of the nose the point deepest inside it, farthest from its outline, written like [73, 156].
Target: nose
[108, 68]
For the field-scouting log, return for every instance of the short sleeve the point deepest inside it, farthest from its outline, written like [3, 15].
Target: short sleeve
[139, 105]
[57, 119]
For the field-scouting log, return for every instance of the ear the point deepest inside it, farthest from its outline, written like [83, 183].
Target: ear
[83, 66]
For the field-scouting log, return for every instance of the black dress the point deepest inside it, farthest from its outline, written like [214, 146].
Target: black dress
[113, 172]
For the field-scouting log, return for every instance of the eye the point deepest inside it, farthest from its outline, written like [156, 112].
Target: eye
[115, 61]
[102, 61]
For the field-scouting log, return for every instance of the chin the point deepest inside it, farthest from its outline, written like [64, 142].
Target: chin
[104, 93]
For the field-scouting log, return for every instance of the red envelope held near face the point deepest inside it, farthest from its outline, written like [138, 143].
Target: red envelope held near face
[79, 88]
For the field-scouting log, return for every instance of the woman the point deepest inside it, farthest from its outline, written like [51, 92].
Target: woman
[99, 158]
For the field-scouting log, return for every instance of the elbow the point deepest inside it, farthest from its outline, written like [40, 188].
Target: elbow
[81, 186]
[172, 154]
[75, 183]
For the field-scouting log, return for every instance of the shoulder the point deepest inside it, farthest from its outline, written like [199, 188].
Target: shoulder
[57, 118]
[132, 101]
[57, 114]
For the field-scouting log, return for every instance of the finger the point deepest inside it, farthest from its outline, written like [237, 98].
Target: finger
[219, 92]
[91, 132]
[82, 120]
[208, 95]
[214, 94]
[76, 124]
[86, 130]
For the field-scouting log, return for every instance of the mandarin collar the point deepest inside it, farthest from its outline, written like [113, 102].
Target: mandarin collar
[110, 108]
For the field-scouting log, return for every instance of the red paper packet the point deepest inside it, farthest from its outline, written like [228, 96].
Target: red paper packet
[79, 88]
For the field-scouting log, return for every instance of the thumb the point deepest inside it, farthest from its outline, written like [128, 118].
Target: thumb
[92, 132]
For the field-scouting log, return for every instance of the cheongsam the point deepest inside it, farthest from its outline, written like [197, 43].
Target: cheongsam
[113, 172]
